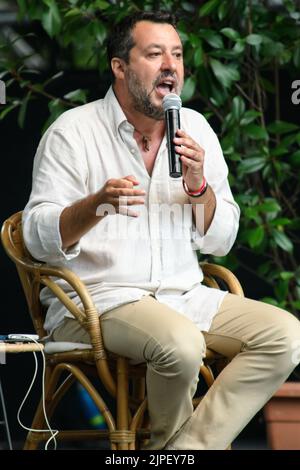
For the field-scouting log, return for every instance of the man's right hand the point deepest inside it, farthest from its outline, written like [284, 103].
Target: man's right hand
[80, 217]
[120, 193]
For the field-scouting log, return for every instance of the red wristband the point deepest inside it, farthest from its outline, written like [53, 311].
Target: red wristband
[199, 191]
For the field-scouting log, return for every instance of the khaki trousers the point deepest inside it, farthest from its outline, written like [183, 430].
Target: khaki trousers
[258, 337]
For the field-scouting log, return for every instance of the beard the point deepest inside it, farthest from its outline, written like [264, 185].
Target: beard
[141, 98]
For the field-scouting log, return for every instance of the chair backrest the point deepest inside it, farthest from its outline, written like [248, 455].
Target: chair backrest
[13, 243]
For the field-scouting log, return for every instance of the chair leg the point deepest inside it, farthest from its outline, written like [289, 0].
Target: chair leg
[38, 422]
[123, 437]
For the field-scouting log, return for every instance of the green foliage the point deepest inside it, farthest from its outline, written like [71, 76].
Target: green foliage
[235, 52]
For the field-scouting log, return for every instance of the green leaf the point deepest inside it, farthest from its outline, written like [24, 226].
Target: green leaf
[188, 89]
[296, 304]
[269, 206]
[223, 10]
[255, 236]
[194, 40]
[231, 33]
[101, 4]
[23, 108]
[213, 39]
[22, 9]
[256, 132]
[264, 268]
[294, 159]
[267, 85]
[249, 116]
[54, 77]
[183, 36]
[281, 127]
[282, 240]
[76, 96]
[56, 108]
[99, 31]
[280, 222]
[281, 289]
[7, 110]
[187, 6]
[2, 74]
[208, 7]
[270, 300]
[226, 74]
[252, 213]
[73, 12]
[250, 165]
[238, 108]
[254, 39]
[286, 275]
[239, 47]
[51, 19]
[198, 56]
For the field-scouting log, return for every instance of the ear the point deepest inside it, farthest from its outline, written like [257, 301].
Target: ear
[118, 67]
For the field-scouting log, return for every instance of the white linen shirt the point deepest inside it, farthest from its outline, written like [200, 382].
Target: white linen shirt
[124, 258]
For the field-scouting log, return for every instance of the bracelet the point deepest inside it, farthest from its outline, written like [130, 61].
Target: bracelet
[198, 192]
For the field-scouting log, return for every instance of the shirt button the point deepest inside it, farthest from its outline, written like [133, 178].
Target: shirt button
[132, 150]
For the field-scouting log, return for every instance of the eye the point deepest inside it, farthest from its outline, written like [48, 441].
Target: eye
[178, 55]
[154, 54]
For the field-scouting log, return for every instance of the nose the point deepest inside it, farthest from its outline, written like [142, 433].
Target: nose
[168, 62]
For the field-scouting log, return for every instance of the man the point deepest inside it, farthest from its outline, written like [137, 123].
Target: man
[93, 166]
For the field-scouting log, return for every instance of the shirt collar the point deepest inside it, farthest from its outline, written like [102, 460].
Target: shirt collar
[116, 114]
[114, 111]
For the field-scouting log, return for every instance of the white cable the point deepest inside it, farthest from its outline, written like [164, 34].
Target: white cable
[53, 432]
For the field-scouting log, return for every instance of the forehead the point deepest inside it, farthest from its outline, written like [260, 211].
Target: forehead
[145, 33]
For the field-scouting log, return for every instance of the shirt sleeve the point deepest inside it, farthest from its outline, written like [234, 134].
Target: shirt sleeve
[59, 175]
[223, 229]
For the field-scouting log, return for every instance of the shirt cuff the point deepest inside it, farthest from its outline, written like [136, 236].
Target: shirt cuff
[222, 231]
[47, 224]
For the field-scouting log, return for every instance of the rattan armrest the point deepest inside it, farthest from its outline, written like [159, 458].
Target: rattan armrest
[232, 282]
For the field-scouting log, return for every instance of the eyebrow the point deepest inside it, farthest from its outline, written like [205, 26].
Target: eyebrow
[159, 46]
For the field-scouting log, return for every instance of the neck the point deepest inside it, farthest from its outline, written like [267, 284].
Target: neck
[144, 125]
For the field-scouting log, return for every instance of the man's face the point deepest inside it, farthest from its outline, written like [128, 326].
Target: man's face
[155, 67]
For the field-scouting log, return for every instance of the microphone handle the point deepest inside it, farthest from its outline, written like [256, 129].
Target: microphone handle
[173, 123]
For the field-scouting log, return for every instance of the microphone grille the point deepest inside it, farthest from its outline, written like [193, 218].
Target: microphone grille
[171, 101]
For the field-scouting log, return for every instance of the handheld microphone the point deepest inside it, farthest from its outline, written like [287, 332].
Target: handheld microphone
[172, 104]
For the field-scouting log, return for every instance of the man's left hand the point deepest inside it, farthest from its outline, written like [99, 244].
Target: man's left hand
[192, 158]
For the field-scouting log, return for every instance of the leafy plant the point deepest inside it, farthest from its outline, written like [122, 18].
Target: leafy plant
[236, 54]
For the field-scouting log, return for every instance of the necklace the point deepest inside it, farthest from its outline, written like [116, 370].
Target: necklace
[145, 141]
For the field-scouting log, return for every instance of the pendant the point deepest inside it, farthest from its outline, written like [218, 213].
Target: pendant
[146, 141]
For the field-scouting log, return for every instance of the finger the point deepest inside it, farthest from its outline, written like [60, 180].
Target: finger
[181, 132]
[190, 163]
[189, 153]
[132, 179]
[126, 181]
[188, 142]
[127, 192]
[124, 210]
[126, 201]
[118, 183]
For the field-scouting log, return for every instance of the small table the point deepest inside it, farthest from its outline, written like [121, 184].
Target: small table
[17, 347]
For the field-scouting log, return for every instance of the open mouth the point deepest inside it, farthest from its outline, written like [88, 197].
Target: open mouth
[165, 87]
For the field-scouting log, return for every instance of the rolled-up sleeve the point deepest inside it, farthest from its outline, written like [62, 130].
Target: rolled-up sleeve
[223, 229]
[59, 176]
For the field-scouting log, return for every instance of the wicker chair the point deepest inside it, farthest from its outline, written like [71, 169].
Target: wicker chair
[126, 430]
